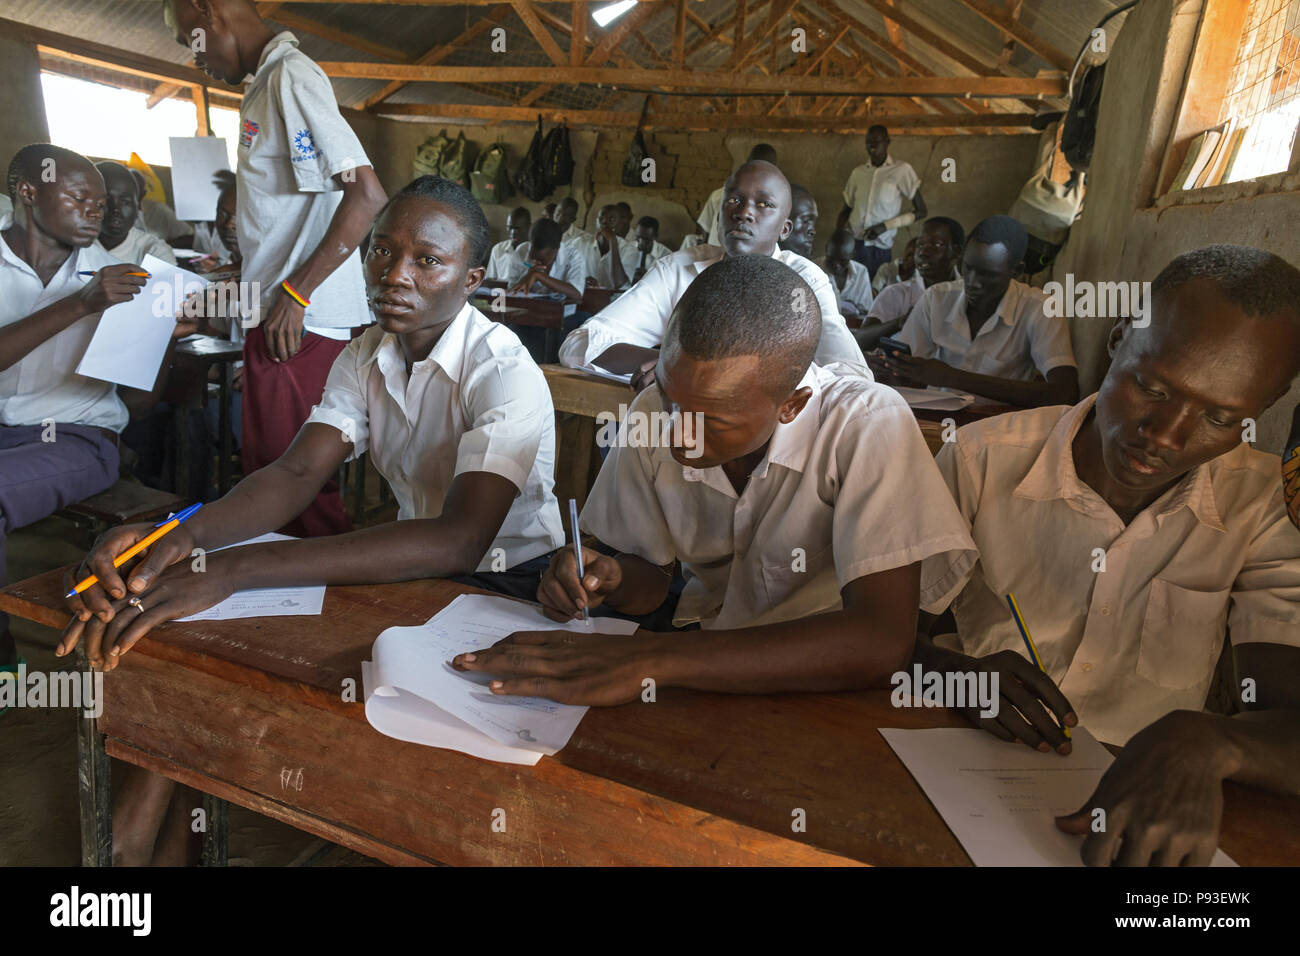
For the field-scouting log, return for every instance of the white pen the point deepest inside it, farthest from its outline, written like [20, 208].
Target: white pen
[577, 544]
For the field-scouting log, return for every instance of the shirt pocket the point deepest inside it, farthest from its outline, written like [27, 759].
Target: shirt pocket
[1182, 635]
[798, 571]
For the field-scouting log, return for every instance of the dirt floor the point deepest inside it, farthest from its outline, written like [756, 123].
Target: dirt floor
[39, 823]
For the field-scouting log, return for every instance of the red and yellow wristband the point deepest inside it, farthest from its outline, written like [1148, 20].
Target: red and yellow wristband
[294, 294]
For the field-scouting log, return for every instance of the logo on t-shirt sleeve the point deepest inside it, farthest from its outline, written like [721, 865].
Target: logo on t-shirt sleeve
[304, 146]
[247, 130]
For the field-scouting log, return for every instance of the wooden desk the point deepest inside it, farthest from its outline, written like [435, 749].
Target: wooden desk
[252, 711]
[578, 399]
[204, 351]
[595, 298]
[545, 314]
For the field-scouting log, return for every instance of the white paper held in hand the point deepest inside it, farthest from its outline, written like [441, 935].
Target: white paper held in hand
[131, 337]
[413, 693]
[264, 602]
[195, 162]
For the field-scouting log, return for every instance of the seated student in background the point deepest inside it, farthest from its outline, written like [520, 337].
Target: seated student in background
[803, 222]
[58, 430]
[851, 279]
[938, 249]
[896, 270]
[566, 214]
[624, 224]
[607, 258]
[118, 233]
[207, 237]
[708, 217]
[501, 266]
[625, 335]
[693, 239]
[988, 333]
[800, 513]
[157, 217]
[649, 249]
[546, 263]
[1151, 477]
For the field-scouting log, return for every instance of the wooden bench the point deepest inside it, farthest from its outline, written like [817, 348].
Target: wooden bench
[124, 502]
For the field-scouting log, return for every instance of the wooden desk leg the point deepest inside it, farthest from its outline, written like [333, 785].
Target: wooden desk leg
[225, 426]
[215, 837]
[551, 347]
[93, 786]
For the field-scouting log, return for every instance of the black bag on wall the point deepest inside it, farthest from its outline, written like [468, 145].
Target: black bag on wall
[636, 154]
[557, 158]
[531, 175]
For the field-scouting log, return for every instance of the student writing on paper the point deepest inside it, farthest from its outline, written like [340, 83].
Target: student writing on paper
[58, 430]
[938, 250]
[124, 240]
[625, 335]
[988, 333]
[307, 197]
[1135, 530]
[547, 263]
[453, 412]
[786, 510]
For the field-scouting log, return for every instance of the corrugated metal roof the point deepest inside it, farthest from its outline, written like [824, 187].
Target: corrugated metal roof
[137, 25]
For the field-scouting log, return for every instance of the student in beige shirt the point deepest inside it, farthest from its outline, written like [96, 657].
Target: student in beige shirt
[800, 510]
[1135, 529]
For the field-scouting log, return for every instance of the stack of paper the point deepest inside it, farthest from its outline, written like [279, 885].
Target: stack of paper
[1001, 799]
[413, 693]
[596, 370]
[935, 399]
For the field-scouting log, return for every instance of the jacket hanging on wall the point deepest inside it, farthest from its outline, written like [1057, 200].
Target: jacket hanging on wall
[530, 177]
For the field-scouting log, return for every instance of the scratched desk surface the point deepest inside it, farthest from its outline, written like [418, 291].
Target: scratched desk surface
[638, 783]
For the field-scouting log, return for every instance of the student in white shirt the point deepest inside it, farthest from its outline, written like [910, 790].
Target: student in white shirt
[938, 250]
[119, 235]
[649, 249]
[502, 261]
[708, 217]
[896, 270]
[454, 415]
[546, 263]
[873, 201]
[803, 222]
[625, 335]
[566, 214]
[851, 281]
[988, 333]
[58, 430]
[307, 197]
[1137, 530]
[800, 511]
[608, 259]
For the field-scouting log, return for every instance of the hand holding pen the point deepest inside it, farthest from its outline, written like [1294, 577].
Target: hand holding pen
[111, 285]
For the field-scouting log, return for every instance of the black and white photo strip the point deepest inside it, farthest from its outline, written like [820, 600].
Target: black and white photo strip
[636, 436]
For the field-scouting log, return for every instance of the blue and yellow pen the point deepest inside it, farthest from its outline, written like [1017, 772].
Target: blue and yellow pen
[1029, 643]
[162, 528]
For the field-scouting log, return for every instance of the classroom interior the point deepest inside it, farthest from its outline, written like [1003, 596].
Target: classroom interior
[963, 87]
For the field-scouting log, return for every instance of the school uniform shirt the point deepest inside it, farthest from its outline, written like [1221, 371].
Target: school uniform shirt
[567, 266]
[43, 384]
[208, 242]
[292, 141]
[6, 205]
[501, 261]
[138, 244]
[691, 241]
[708, 220]
[477, 403]
[857, 288]
[575, 233]
[1130, 643]
[597, 265]
[1018, 341]
[874, 194]
[640, 315]
[657, 251]
[886, 275]
[847, 489]
[897, 300]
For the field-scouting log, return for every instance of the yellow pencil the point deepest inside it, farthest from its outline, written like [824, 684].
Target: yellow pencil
[139, 546]
[1029, 644]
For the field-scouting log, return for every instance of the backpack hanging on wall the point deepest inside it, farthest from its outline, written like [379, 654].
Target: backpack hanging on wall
[637, 153]
[530, 178]
[428, 155]
[455, 162]
[557, 158]
[1080, 132]
[490, 180]
[1045, 207]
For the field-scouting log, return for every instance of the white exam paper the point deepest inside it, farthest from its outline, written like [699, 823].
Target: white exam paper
[413, 692]
[264, 602]
[130, 339]
[596, 370]
[1000, 799]
[195, 161]
[939, 400]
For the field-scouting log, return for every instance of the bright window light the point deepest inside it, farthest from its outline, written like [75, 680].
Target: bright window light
[98, 120]
[607, 15]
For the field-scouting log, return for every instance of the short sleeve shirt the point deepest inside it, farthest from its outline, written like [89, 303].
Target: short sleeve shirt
[874, 194]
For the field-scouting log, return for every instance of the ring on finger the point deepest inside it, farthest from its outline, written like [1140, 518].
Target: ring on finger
[135, 603]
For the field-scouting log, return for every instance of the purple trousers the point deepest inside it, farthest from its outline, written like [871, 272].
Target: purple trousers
[37, 477]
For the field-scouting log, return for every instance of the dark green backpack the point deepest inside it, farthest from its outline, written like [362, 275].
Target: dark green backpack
[490, 181]
[455, 162]
[428, 155]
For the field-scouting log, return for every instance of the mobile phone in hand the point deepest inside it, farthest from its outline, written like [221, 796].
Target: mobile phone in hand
[894, 348]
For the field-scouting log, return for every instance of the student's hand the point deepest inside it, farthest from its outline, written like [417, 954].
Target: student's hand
[111, 286]
[560, 592]
[185, 327]
[916, 372]
[644, 377]
[1024, 688]
[593, 670]
[524, 284]
[283, 328]
[180, 592]
[140, 572]
[1162, 797]
[873, 231]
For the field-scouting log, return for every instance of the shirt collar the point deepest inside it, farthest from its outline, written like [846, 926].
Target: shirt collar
[448, 353]
[276, 47]
[1053, 476]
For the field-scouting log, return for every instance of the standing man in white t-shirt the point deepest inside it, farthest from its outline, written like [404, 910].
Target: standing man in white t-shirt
[306, 197]
[873, 201]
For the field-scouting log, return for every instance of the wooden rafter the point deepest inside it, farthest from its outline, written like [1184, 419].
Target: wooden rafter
[738, 33]
[775, 14]
[679, 35]
[303, 24]
[524, 9]
[1022, 34]
[578, 32]
[632, 20]
[927, 36]
[162, 92]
